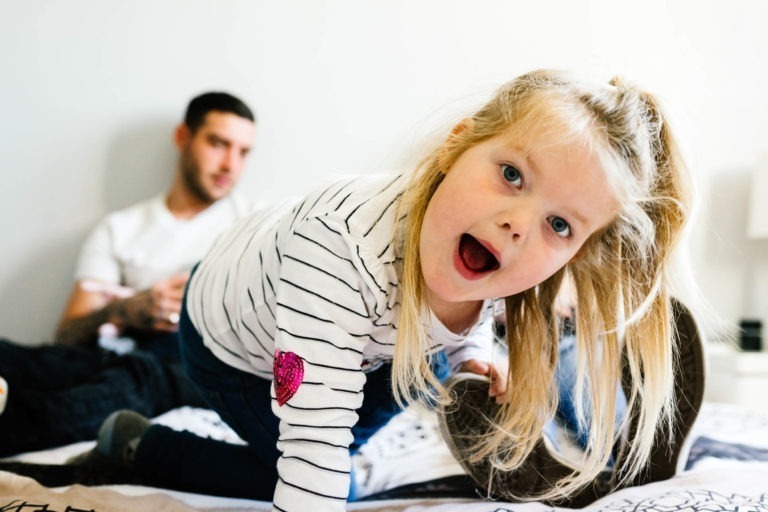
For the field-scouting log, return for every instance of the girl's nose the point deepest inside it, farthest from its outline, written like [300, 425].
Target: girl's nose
[517, 222]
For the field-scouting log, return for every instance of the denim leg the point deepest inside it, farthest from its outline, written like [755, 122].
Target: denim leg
[61, 394]
[565, 374]
[165, 346]
[34, 374]
[184, 461]
[47, 367]
[379, 405]
[181, 460]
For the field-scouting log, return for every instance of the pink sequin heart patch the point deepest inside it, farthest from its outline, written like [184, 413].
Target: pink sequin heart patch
[288, 370]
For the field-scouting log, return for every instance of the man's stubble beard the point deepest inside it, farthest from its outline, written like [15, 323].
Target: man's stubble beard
[190, 175]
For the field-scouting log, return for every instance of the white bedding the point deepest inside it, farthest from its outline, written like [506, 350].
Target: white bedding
[410, 450]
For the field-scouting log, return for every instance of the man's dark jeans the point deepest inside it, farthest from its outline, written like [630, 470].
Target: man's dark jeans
[62, 394]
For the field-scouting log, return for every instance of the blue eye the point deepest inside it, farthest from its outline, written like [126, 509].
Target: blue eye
[512, 175]
[560, 226]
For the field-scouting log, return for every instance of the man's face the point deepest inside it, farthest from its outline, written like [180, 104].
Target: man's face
[213, 157]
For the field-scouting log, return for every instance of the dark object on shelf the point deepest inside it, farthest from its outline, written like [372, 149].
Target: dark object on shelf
[751, 338]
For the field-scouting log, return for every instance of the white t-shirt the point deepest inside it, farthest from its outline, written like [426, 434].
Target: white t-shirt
[139, 245]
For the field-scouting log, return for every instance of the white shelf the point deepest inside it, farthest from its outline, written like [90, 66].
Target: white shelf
[737, 377]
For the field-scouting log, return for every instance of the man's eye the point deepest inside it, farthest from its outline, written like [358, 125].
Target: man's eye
[560, 226]
[512, 175]
[216, 142]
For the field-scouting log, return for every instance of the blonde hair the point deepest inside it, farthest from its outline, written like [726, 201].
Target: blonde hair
[620, 276]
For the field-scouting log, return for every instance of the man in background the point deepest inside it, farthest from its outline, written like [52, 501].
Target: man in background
[116, 346]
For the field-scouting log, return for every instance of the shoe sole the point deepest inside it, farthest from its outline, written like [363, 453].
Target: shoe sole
[469, 416]
[667, 459]
[460, 427]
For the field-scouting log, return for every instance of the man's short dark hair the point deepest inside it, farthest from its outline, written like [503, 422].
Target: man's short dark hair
[199, 107]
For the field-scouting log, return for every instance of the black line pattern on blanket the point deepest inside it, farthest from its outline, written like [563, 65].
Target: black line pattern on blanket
[679, 501]
[25, 506]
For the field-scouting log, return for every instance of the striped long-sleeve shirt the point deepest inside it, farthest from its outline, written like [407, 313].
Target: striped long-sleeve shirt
[317, 279]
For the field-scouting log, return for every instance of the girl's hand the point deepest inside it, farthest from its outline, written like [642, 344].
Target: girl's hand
[497, 376]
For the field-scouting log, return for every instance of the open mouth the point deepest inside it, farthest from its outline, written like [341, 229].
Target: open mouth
[475, 256]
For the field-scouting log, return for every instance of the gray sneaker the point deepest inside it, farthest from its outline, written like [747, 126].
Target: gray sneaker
[117, 441]
[120, 434]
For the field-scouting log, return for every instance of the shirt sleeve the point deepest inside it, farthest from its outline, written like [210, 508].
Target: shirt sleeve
[97, 259]
[322, 318]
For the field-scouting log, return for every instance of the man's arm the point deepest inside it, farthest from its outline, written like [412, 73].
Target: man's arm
[89, 307]
[84, 313]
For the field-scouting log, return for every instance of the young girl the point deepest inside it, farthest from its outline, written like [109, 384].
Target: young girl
[307, 328]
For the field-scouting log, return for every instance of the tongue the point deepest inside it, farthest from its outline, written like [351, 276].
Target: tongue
[474, 256]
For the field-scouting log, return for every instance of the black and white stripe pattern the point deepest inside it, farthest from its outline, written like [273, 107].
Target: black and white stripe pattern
[317, 279]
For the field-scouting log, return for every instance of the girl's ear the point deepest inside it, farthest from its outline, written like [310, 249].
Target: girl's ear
[453, 139]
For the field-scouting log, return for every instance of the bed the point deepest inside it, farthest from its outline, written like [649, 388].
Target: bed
[727, 469]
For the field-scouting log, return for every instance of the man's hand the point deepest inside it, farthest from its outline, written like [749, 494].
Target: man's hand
[92, 304]
[497, 376]
[157, 308]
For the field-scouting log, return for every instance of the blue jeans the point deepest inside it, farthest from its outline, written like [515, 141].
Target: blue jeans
[184, 461]
[62, 394]
[565, 374]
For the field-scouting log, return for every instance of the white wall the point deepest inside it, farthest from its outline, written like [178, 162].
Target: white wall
[90, 90]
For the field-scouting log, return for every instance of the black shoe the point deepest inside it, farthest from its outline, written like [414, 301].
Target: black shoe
[469, 416]
[668, 456]
[472, 411]
[119, 437]
[110, 462]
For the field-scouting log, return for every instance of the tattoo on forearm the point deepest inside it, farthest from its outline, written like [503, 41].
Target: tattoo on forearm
[137, 311]
[83, 329]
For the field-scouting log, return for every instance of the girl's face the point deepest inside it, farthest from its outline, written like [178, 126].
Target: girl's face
[508, 215]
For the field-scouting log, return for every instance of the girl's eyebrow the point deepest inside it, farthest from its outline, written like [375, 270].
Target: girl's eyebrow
[580, 218]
